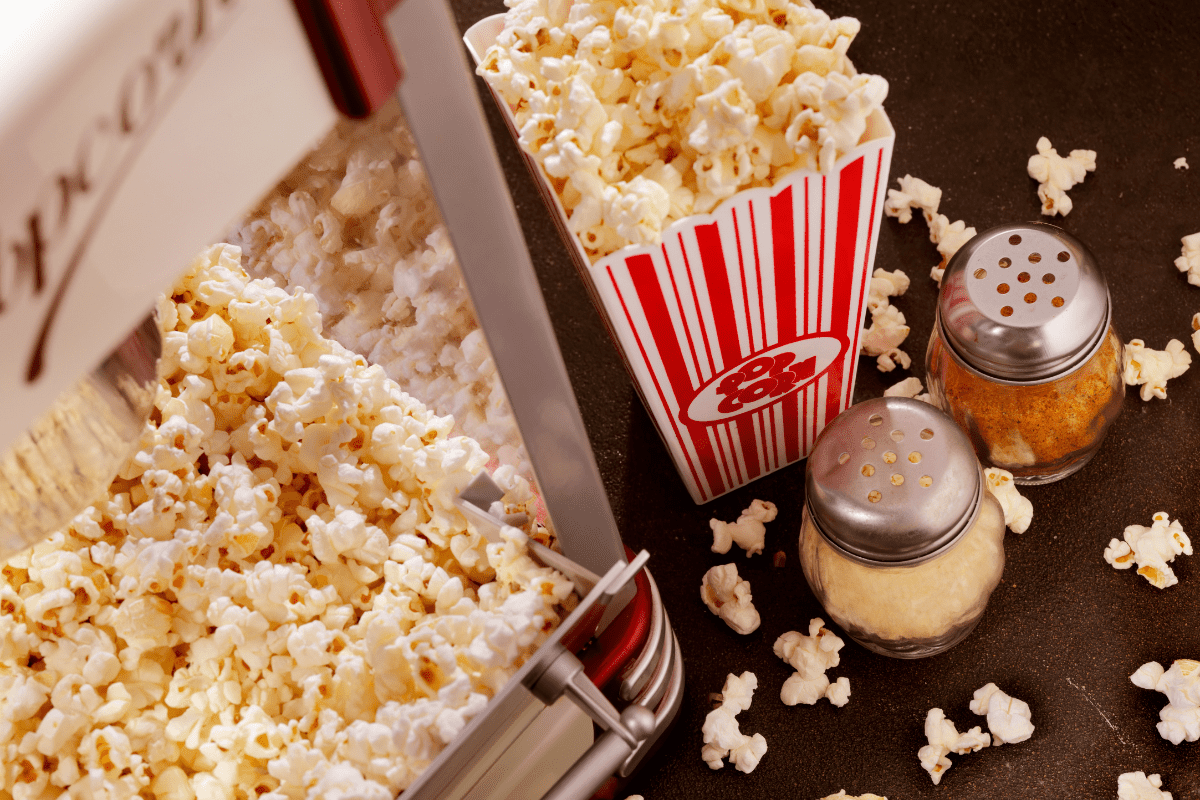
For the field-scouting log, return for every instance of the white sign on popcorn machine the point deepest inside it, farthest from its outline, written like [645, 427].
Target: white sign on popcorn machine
[120, 162]
[741, 328]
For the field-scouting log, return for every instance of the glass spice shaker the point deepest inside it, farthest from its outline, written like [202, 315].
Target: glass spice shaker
[901, 542]
[1023, 354]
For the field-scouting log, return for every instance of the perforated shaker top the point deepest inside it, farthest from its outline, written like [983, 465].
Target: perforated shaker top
[893, 481]
[1024, 302]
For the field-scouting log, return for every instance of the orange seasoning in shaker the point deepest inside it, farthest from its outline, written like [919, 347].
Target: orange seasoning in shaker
[1024, 355]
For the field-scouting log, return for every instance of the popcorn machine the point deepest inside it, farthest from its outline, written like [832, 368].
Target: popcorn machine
[134, 133]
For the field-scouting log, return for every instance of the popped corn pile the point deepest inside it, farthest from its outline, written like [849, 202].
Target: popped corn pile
[357, 225]
[1152, 549]
[728, 596]
[277, 598]
[723, 737]
[811, 656]
[641, 113]
[1181, 684]
[748, 533]
[1055, 175]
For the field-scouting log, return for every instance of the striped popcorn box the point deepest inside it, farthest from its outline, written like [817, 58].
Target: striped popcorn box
[741, 329]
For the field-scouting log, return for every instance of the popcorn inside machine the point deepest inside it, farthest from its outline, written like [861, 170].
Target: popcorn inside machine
[284, 539]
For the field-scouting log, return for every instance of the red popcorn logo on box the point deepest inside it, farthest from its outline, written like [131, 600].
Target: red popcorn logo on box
[742, 328]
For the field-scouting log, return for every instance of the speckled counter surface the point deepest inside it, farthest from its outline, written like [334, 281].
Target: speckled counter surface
[973, 86]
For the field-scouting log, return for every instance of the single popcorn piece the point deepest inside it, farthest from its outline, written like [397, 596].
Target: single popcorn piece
[749, 532]
[1008, 719]
[1140, 786]
[1189, 259]
[1181, 684]
[1196, 331]
[887, 331]
[1056, 175]
[1152, 549]
[944, 738]
[1181, 163]
[909, 387]
[811, 656]
[1018, 510]
[841, 795]
[722, 736]
[913, 193]
[728, 596]
[276, 597]
[641, 114]
[1151, 369]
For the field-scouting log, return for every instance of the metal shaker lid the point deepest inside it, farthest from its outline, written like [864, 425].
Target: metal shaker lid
[1024, 302]
[893, 481]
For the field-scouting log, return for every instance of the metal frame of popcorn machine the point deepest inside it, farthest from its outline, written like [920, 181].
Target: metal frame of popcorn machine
[115, 130]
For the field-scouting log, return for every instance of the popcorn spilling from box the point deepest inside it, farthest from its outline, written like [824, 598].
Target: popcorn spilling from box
[642, 113]
[723, 737]
[1018, 510]
[1151, 369]
[943, 739]
[811, 656]
[748, 533]
[1056, 175]
[1152, 549]
[728, 596]
[1181, 684]
[277, 592]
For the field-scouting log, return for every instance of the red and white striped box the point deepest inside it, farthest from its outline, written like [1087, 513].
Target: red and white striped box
[741, 329]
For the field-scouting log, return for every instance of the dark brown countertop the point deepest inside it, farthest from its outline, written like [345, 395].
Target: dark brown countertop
[973, 86]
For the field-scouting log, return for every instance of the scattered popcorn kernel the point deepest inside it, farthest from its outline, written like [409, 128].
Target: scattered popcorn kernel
[1189, 260]
[1140, 786]
[722, 737]
[1008, 719]
[913, 193]
[1152, 549]
[1181, 684]
[1181, 163]
[728, 596]
[948, 236]
[890, 359]
[909, 387]
[944, 738]
[811, 656]
[886, 332]
[749, 532]
[1018, 510]
[1196, 331]
[841, 795]
[1151, 369]
[1055, 175]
